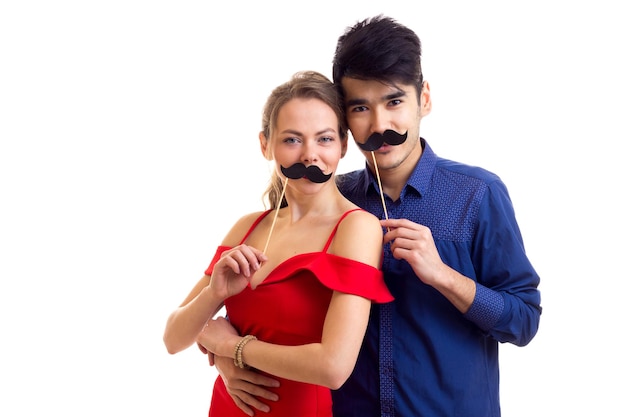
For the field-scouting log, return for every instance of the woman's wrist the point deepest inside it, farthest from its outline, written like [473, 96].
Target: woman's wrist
[238, 351]
[211, 297]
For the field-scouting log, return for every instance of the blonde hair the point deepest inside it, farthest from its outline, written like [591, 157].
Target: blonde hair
[303, 84]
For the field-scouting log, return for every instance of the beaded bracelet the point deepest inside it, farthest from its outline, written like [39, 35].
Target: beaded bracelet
[238, 359]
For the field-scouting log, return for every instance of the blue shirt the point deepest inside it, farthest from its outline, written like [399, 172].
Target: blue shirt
[421, 356]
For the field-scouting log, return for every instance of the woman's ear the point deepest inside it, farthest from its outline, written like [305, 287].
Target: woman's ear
[263, 142]
[344, 146]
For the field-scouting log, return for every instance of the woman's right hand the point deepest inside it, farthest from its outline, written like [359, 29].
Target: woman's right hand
[236, 267]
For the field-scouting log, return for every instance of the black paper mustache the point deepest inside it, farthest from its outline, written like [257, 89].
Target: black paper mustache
[312, 172]
[376, 140]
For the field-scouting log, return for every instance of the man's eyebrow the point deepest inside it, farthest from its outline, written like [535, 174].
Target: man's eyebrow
[355, 102]
[394, 95]
[390, 96]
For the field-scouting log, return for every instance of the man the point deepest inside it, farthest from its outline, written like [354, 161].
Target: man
[453, 253]
[454, 257]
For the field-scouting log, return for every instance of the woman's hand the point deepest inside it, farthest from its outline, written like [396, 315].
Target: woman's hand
[236, 267]
[245, 386]
[218, 336]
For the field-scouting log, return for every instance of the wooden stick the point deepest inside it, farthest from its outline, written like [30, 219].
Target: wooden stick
[280, 200]
[380, 186]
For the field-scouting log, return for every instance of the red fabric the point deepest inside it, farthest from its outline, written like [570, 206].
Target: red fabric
[289, 308]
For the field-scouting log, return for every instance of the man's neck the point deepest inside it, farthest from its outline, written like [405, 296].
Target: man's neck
[394, 179]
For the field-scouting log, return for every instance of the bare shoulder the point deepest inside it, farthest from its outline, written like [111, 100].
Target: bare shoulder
[240, 228]
[359, 236]
[361, 218]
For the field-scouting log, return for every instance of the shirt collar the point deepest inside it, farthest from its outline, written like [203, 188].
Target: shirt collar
[422, 174]
[420, 177]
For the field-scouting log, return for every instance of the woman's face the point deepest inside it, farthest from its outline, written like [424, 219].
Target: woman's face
[307, 132]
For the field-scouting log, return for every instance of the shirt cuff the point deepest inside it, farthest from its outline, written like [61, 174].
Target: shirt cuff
[486, 308]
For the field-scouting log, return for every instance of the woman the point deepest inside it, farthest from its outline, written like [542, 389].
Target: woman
[297, 280]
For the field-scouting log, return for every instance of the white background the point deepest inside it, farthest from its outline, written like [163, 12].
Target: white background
[129, 146]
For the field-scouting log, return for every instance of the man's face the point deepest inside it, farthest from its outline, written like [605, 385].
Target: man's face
[372, 106]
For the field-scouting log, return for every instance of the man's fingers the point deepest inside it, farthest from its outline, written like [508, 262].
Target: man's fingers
[256, 390]
[247, 402]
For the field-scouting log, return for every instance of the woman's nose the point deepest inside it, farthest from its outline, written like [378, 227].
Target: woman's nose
[309, 154]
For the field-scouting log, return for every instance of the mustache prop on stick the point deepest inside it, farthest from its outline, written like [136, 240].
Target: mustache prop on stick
[298, 170]
[269, 235]
[375, 141]
[312, 172]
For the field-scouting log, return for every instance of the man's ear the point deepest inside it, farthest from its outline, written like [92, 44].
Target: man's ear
[425, 104]
[263, 142]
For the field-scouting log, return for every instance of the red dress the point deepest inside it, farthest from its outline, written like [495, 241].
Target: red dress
[289, 308]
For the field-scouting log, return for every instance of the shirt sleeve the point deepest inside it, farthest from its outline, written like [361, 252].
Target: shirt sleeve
[507, 302]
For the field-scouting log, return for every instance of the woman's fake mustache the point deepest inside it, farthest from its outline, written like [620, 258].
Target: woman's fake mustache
[312, 172]
[376, 140]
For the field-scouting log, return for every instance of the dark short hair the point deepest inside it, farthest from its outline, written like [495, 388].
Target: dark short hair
[379, 48]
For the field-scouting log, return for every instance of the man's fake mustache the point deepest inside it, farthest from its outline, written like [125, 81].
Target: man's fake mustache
[376, 140]
[312, 172]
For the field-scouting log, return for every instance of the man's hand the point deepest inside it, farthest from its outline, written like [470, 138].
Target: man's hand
[246, 386]
[415, 244]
